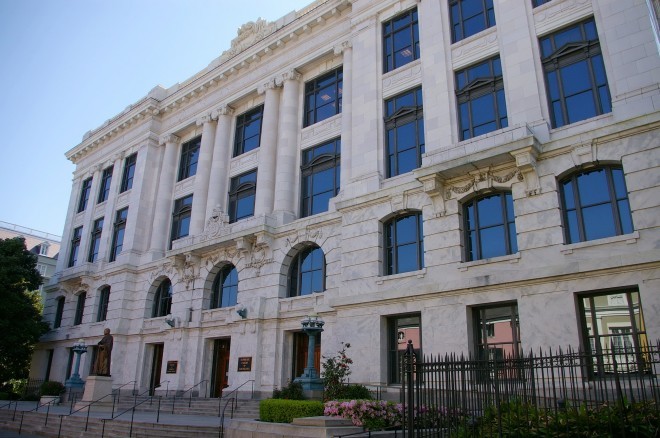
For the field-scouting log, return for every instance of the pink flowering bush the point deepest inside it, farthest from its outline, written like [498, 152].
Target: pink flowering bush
[336, 370]
[371, 414]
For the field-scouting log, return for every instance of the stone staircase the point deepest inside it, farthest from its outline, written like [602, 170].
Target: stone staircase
[244, 408]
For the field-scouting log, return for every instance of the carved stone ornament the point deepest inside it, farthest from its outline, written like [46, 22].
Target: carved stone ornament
[169, 138]
[248, 34]
[165, 269]
[434, 187]
[215, 224]
[188, 269]
[483, 180]
[261, 253]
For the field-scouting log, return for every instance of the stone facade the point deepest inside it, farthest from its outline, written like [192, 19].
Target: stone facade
[452, 300]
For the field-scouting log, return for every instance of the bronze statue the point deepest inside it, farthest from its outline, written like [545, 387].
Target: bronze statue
[103, 355]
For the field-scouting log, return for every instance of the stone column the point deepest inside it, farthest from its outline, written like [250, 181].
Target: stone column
[287, 147]
[267, 149]
[346, 112]
[198, 213]
[217, 194]
[109, 217]
[89, 214]
[65, 247]
[163, 204]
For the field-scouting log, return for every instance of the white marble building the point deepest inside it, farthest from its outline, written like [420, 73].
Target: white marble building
[477, 176]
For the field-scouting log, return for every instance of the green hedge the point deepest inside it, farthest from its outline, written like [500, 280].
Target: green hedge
[284, 411]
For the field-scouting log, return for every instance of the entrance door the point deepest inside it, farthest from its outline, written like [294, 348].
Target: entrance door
[156, 365]
[300, 345]
[220, 370]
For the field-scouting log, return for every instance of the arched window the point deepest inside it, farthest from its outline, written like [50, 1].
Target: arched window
[490, 228]
[307, 273]
[225, 288]
[162, 299]
[595, 204]
[404, 244]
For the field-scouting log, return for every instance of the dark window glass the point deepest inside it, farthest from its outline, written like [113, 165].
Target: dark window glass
[95, 243]
[575, 74]
[119, 228]
[75, 246]
[469, 17]
[404, 244]
[80, 308]
[162, 300]
[59, 311]
[225, 288]
[181, 218]
[497, 331]
[595, 204]
[323, 97]
[480, 98]
[400, 40]
[129, 173]
[614, 330]
[248, 131]
[320, 172]
[189, 157]
[85, 190]
[536, 3]
[307, 273]
[242, 192]
[402, 329]
[104, 299]
[104, 190]
[490, 228]
[404, 136]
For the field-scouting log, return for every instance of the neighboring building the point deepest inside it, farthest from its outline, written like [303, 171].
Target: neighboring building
[476, 176]
[45, 245]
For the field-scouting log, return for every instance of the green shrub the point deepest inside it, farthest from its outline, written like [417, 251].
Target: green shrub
[4, 396]
[292, 391]
[284, 411]
[50, 387]
[355, 392]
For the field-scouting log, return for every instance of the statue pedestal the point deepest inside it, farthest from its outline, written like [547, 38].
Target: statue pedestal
[96, 387]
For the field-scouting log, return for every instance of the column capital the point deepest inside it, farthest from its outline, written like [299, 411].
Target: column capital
[169, 138]
[271, 84]
[206, 118]
[343, 46]
[223, 110]
[291, 75]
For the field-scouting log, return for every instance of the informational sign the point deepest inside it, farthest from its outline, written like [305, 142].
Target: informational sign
[245, 363]
[171, 366]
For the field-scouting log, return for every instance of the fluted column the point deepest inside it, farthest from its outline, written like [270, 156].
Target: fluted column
[267, 150]
[346, 112]
[217, 195]
[198, 213]
[163, 207]
[287, 145]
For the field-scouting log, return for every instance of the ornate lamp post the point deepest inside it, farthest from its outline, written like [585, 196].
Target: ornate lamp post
[75, 381]
[310, 379]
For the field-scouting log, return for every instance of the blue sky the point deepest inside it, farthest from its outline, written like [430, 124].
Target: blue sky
[69, 65]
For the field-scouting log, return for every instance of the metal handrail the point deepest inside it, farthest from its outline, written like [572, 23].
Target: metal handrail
[167, 388]
[221, 430]
[118, 389]
[226, 396]
[132, 408]
[36, 409]
[89, 408]
[187, 390]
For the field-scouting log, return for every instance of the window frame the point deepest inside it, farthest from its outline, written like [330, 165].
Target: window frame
[189, 158]
[104, 300]
[104, 187]
[227, 273]
[389, 34]
[296, 271]
[162, 305]
[239, 190]
[129, 173]
[95, 240]
[390, 234]
[182, 210]
[243, 122]
[80, 308]
[59, 312]
[483, 327]
[85, 191]
[537, 3]
[457, 23]
[118, 233]
[313, 165]
[75, 246]
[312, 91]
[510, 241]
[397, 117]
[396, 349]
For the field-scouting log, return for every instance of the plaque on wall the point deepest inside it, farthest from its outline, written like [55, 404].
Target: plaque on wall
[171, 366]
[245, 363]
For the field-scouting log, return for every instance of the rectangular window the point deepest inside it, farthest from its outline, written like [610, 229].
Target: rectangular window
[404, 132]
[85, 190]
[575, 78]
[104, 190]
[614, 330]
[497, 331]
[80, 308]
[320, 172]
[42, 269]
[400, 40]
[536, 3]
[323, 97]
[119, 228]
[469, 17]
[129, 173]
[104, 299]
[248, 131]
[189, 157]
[400, 330]
[480, 99]
[75, 246]
[242, 193]
[181, 217]
[59, 311]
[95, 241]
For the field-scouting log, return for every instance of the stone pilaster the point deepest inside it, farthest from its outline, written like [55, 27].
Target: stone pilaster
[217, 194]
[347, 112]
[267, 149]
[198, 213]
[109, 215]
[163, 208]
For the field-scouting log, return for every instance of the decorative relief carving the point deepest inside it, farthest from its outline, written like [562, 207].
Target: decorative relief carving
[291, 75]
[583, 154]
[405, 76]
[482, 180]
[268, 85]
[248, 34]
[169, 138]
[187, 267]
[244, 162]
[224, 110]
[341, 47]
[229, 254]
[165, 269]
[216, 225]
[398, 202]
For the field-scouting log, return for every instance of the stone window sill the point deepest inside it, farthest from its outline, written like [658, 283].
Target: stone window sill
[419, 274]
[627, 238]
[511, 258]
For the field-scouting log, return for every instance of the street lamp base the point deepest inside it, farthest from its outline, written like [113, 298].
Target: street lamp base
[74, 382]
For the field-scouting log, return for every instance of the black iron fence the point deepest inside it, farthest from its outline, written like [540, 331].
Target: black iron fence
[555, 393]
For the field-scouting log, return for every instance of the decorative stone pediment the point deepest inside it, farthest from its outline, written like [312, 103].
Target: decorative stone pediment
[248, 34]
